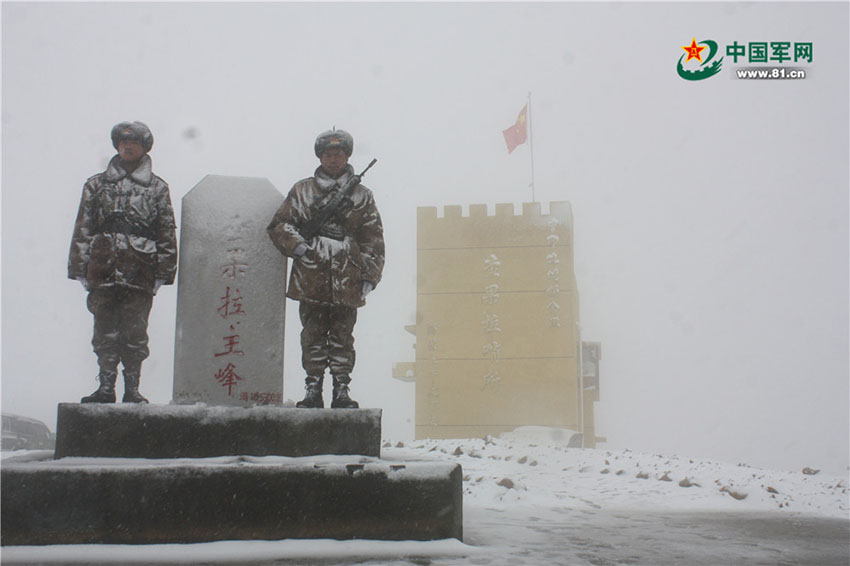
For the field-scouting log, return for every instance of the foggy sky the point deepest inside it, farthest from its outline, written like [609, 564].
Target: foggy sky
[711, 217]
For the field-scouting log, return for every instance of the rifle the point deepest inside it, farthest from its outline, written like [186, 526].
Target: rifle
[330, 206]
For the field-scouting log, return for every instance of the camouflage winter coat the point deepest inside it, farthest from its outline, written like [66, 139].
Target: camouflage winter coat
[341, 256]
[125, 231]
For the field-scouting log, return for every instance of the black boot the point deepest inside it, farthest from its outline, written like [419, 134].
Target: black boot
[131, 387]
[313, 398]
[106, 392]
[341, 399]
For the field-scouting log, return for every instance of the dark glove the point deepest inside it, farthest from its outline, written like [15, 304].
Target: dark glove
[331, 230]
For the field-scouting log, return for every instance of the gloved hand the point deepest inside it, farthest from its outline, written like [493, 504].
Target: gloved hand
[332, 230]
[300, 249]
[366, 288]
[157, 284]
[84, 282]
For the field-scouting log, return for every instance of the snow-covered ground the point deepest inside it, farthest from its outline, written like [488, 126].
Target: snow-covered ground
[530, 499]
[532, 466]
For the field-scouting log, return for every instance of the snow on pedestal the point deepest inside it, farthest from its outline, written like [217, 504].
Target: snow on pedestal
[133, 501]
[128, 430]
[230, 295]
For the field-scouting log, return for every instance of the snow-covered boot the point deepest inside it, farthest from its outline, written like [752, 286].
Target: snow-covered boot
[131, 387]
[106, 392]
[313, 398]
[341, 399]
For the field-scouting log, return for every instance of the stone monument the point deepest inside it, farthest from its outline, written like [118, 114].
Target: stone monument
[230, 296]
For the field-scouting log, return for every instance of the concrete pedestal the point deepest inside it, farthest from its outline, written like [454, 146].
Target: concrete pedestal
[196, 431]
[152, 474]
[91, 500]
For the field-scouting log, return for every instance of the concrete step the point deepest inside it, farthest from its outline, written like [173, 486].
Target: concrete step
[137, 501]
[124, 430]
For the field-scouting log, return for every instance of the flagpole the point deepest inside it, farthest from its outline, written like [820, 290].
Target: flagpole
[531, 147]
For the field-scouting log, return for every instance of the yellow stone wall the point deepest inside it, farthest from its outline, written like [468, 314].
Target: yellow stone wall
[497, 322]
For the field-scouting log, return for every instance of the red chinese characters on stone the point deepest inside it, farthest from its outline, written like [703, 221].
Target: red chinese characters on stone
[234, 267]
[228, 378]
[231, 303]
[230, 343]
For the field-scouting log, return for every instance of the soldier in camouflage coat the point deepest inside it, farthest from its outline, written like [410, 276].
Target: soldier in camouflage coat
[123, 249]
[334, 271]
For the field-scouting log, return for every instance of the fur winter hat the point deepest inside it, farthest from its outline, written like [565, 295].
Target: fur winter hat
[332, 139]
[133, 131]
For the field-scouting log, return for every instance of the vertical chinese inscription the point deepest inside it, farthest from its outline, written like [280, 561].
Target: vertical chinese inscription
[553, 276]
[432, 346]
[232, 310]
[491, 349]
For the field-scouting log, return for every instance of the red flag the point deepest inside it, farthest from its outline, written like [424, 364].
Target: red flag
[518, 133]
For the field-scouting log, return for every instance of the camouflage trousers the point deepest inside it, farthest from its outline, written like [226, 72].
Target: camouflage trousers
[120, 327]
[327, 338]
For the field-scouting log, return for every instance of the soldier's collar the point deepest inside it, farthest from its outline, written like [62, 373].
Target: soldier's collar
[142, 175]
[326, 183]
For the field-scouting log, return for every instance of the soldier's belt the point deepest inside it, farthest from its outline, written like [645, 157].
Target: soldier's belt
[124, 227]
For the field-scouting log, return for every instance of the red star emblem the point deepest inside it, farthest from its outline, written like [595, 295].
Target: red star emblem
[693, 51]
